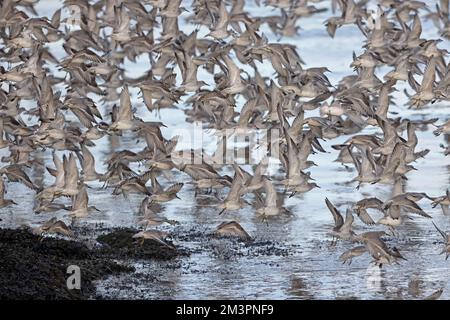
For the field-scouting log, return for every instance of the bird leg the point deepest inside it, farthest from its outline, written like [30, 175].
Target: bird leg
[333, 242]
[396, 233]
[390, 231]
[264, 219]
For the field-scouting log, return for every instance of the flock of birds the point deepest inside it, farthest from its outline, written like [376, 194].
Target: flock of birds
[88, 98]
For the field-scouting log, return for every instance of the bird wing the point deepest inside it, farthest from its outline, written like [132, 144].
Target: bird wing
[374, 244]
[371, 235]
[158, 238]
[271, 193]
[354, 252]
[59, 181]
[223, 17]
[443, 234]
[175, 188]
[88, 160]
[125, 105]
[348, 220]
[383, 99]
[235, 189]
[373, 203]
[364, 216]
[416, 29]
[2, 188]
[80, 201]
[71, 173]
[429, 76]
[338, 220]
[239, 230]
[16, 174]
[61, 228]
[234, 73]
[413, 207]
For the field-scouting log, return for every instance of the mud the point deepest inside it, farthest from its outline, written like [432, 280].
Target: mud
[120, 244]
[35, 268]
[162, 279]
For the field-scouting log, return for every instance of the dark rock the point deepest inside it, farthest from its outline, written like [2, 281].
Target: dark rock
[35, 268]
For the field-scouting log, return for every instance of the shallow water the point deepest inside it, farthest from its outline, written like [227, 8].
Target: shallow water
[296, 260]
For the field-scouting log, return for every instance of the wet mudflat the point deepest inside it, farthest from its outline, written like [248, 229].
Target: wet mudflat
[36, 268]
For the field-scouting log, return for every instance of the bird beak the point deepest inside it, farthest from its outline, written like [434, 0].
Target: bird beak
[221, 211]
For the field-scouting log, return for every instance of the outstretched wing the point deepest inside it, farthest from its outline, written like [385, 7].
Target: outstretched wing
[364, 216]
[338, 220]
